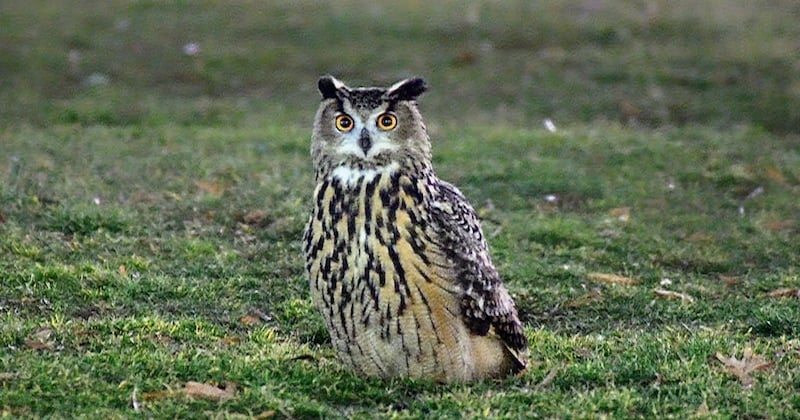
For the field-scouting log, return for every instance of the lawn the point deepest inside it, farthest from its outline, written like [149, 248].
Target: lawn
[155, 178]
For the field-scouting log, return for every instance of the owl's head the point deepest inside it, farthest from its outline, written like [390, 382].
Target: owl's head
[369, 128]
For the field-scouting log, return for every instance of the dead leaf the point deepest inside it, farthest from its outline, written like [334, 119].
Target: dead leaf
[2, 218]
[254, 317]
[783, 292]
[38, 344]
[669, 294]
[250, 320]
[43, 334]
[629, 109]
[750, 362]
[163, 339]
[775, 174]
[777, 226]
[7, 376]
[729, 281]
[210, 187]
[39, 339]
[254, 217]
[612, 279]
[267, 414]
[464, 58]
[122, 270]
[623, 214]
[210, 392]
[587, 299]
[230, 340]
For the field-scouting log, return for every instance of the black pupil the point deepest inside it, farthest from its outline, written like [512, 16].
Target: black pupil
[387, 121]
[345, 122]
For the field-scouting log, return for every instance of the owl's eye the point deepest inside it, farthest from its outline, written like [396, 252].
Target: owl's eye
[344, 123]
[387, 121]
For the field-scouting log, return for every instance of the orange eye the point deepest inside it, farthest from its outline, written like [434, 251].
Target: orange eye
[387, 121]
[344, 123]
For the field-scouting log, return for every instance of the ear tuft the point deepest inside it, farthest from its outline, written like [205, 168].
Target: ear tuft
[330, 87]
[407, 90]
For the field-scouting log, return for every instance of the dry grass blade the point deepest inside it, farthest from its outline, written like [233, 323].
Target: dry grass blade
[135, 402]
[612, 279]
[548, 379]
[669, 294]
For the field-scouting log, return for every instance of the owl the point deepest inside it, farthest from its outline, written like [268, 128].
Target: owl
[398, 265]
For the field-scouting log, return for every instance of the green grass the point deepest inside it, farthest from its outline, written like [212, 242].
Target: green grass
[150, 224]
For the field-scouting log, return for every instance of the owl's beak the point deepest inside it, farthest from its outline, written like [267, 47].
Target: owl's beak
[364, 141]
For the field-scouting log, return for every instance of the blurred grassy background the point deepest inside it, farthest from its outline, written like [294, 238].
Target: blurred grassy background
[718, 62]
[155, 178]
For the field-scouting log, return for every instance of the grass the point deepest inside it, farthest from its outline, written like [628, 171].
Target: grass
[151, 202]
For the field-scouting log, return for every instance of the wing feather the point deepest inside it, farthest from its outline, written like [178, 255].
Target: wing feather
[486, 304]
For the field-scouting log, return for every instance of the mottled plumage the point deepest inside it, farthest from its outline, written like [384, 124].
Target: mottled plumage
[398, 265]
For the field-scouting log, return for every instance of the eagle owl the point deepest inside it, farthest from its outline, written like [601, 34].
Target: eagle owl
[398, 264]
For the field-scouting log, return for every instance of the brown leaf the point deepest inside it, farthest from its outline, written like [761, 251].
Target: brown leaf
[623, 214]
[210, 187]
[210, 392]
[7, 376]
[38, 344]
[267, 414]
[249, 320]
[669, 294]
[163, 339]
[587, 299]
[775, 174]
[122, 270]
[254, 217]
[2, 218]
[39, 339]
[612, 279]
[777, 226]
[42, 334]
[749, 363]
[783, 292]
[230, 340]
[729, 281]
[254, 317]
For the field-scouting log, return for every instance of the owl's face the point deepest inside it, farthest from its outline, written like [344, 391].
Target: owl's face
[368, 129]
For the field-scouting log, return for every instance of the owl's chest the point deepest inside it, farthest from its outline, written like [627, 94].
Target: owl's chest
[366, 228]
[369, 244]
